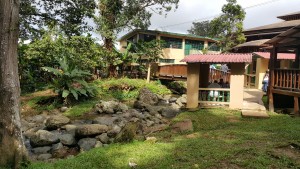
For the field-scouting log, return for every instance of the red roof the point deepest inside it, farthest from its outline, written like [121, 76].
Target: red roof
[219, 58]
[280, 56]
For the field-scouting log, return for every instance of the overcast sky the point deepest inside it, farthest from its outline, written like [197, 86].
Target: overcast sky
[200, 10]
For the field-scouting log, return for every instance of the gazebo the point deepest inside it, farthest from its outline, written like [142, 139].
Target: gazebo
[198, 79]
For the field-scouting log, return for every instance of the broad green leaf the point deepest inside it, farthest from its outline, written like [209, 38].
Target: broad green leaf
[65, 93]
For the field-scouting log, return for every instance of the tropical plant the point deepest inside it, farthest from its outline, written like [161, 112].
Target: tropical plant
[69, 82]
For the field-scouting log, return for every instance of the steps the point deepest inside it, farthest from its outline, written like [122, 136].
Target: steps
[254, 110]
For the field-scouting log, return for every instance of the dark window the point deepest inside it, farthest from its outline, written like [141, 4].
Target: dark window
[212, 46]
[194, 44]
[147, 37]
[166, 60]
[171, 42]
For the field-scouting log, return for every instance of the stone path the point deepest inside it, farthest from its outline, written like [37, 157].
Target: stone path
[253, 105]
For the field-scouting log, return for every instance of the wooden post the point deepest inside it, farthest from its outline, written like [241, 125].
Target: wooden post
[296, 106]
[273, 60]
[193, 74]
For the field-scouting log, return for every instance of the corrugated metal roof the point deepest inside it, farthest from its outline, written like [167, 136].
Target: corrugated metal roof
[219, 58]
[283, 24]
[254, 43]
[166, 33]
[280, 56]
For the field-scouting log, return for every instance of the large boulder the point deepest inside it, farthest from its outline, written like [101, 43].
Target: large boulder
[55, 122]
[86, 144]
[128, 133]
[185, 125]
[103, 138]
[169, 112]
[67, 139]
[41, 150]
[105, 120]
[43, 138]
[146, 96]
[90, 130]
[110, 107]
[59, 151]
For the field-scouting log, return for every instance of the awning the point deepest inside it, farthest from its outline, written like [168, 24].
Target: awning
[219, 58]
[280, 56]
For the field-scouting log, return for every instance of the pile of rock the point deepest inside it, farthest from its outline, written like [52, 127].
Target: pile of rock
[57, 136]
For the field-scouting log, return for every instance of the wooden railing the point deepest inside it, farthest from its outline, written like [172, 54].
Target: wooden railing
[173, 70]
[214, 96]
[249, 80]
[216, 74]
[287, 79]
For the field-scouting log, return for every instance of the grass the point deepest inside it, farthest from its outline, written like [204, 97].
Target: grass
[221, 139]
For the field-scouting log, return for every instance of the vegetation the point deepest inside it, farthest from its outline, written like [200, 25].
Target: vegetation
[115, 16]
[68, 82]
[229, 26]
[200, 28]
[221, 139]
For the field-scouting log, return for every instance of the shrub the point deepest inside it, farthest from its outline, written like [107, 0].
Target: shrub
[69, 82]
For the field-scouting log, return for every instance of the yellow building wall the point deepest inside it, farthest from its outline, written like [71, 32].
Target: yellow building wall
[237, 85]
[261, 68]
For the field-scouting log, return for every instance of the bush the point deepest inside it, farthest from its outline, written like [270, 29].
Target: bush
[69, 82]
[125, 88]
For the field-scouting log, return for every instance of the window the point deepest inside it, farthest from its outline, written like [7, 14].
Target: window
[147, 37]
[212, 46]
[171, 42]
[166, 60]
[194, 44]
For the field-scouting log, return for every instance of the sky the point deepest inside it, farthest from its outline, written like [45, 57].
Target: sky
[258, 13]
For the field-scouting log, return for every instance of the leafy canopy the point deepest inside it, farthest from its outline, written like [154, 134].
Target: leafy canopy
[229, 26]
[200, 28]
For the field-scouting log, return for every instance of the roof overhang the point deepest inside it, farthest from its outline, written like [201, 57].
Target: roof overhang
[219, 58]
[280, 56]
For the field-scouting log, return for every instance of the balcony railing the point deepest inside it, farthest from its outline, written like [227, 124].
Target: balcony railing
[286, 79]
[214, 96]
[249, 80]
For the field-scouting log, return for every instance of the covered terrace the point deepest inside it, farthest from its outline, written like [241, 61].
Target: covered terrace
[198, 79]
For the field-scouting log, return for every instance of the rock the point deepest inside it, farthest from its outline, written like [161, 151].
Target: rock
[173, 100]
[41, 150]
[90, 130]
[67, 139]
[36, 119]
[59, 151]
[43, 138]
[134, 119]
[103, 138]
[167, 97]
[111, 107]
[115, 130]
[155, 128]
[151, 139]
[98, 144]
[183, 126]
[105, 120]
[146, 96]
[86, 144]
[31, 132]
[55, 122]
[128, 133]
[149, 123]
[44, 157]
[63, 109]
[70, 128]
[169, 112]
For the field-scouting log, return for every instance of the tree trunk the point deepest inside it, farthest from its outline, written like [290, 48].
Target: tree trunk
[109, 45]
[12, 149]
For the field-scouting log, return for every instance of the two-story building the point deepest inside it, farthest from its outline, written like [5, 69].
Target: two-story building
[176, 45]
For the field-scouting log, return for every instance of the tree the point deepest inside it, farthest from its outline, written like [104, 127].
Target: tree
[150, 52]
[229, 26]
[115, 16]
[12, 148]
[200, 28]
[36, 16]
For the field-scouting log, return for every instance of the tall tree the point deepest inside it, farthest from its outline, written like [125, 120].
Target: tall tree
[115, 16]
[229, 26]
[200, 28]
[11, 142]
[37, 15]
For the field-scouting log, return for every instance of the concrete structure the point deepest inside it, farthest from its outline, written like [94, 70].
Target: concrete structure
[176, 47]
[197, 78]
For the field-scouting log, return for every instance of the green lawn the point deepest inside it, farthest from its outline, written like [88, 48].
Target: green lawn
[221, 139]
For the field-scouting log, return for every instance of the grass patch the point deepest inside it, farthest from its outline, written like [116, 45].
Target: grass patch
[221, 139]
[81, 108]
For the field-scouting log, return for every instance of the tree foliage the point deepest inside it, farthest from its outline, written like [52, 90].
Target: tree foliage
[38, 15]
[200, 28]
[229, 26]
[81, 51]
[115, 16]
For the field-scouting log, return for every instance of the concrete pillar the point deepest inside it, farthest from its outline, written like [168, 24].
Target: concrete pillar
[204, 75]
[237, 85]
[261, 68]
[193, 74]
[205, 44]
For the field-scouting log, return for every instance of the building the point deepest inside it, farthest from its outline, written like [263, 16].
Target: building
[176, 45]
